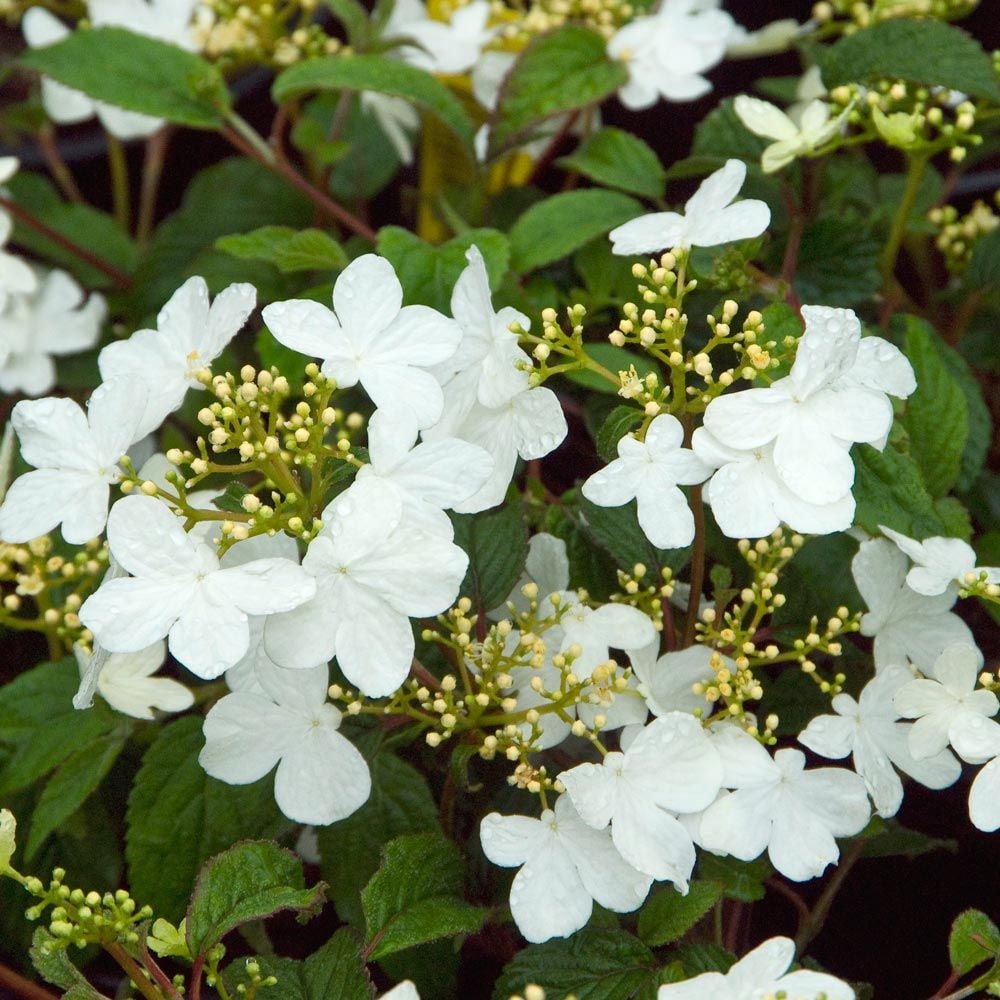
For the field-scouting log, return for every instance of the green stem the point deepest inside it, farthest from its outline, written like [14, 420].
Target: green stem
[120, 193]
[133, 970]
[62, 175]
[914, 175]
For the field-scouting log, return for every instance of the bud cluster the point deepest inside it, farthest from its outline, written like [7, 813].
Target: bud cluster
[958, 235]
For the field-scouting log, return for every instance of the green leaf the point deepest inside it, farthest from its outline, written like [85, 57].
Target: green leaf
[40, 724]
[740, 880]
[554, 228]
[496, 542]
[336, 971]
[136, 73]
[936, 416]
[698, 957]
[594, 964]
[81, 224]
[52, 963]
[178, 817]
[984, 267]
[838, 262]
[251, 881]
[974, 939]
[72, 783]
[668, 916]
[721, 135]
[379, 74]
[923, 51]
[428, 272]
[887, 838]
[354, 17]
[288, 249]
[234, 195]
[615, 359]
[618, 159]
[617, 531]
[558, 72]
[414, 897]
[616, 425]
[889, 490]
[400, 802]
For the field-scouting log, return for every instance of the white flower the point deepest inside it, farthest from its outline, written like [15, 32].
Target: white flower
[940, 562]
[190, 335]
[666, 683]
[708, 219]
[946, 704]
[398, 120]
[649, 472]
[177, 589]
[321, 777]
[127, 683]
[835, 394]
[772, 38]
[867, 729]
[761, 973]
[446, 47]
[814, 129]
[373, 339]
[670, 767]
[546, 565]
[749, 499]
[905, 625]
[374, 570]
[49, 320]
[430, 478]
[166, 20]
[76, 458]
[977, 741]
[565, 867]
[666, 52]
[777, 805]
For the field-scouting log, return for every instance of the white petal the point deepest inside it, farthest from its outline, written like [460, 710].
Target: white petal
[262, 587]
[367, 297]
[230, 310]
[148, 540]
[54, 434]
[764, 119]
[127, 615]
[649, 233]
[208, 639]
[374, 645]
[509, 840]
[306, 327]
[39, 500]
[984, 798]
[245, 735]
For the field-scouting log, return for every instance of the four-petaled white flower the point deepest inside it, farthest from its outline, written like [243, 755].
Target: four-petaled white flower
[777, 805]
[670, 767]
[446, 47]
[749, 499]
[374, 570]
[177, 589]
[47, 321]
[814, 129]
[905, 625]
[667, 52]
[836, 394]
[565, 867]
[760, 973]
[76, 458]
[868, 730]
[946, 704]
[321, 776]
[127, 684]
[371, 338]
[166, 20]
[940, 562]
[649, 471]
[709, 218]
[190, 335]
[667, 683]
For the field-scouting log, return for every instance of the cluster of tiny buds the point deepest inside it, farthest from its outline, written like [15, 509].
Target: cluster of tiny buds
[979, 585]
[542, 16]
[647, 596]
[825, 642]
[533, 779]
[958, 235]
[862, 14]
[554, 340]
[257, 981]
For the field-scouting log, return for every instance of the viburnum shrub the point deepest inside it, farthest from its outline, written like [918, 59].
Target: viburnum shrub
[554, 547]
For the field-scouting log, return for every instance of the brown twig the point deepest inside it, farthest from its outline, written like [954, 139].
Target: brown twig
[119, 278]
[801, 908]
[22, 987]
[61, 173]
[152, 171]
[550, 151]
[809, 928]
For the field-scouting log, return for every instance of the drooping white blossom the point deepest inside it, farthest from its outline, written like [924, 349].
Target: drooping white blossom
[670, 767]
[649, 471]
[906, 626]
[374, 569]
[76, 458]
[565, 866]
[761, 973]
[946, 702]
[165, 20]
[667, 52]
[778, 806]
[371, 338]
[127, 684]
[868, 729]
[837, 393]
[178, 589]
[940, 562]
[190, 334]
[49, 320]
[813, 129]
[749, 499]
[321, 777]
[709, 218]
